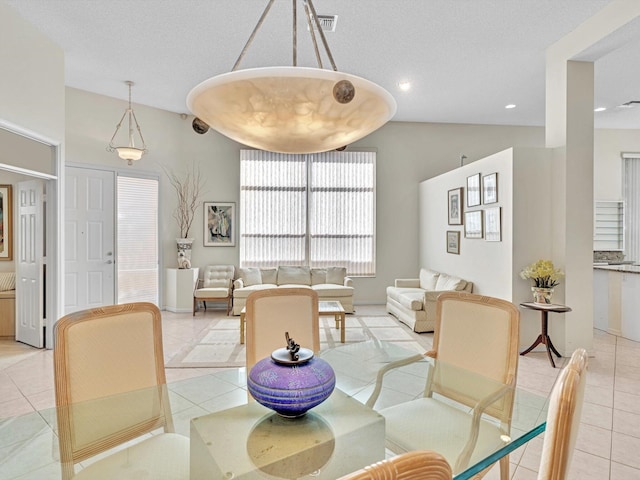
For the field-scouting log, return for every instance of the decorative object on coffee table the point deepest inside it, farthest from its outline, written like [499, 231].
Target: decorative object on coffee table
[291, 381]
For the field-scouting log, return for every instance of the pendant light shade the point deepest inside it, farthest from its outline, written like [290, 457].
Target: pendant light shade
[291, 109]
[129, 152]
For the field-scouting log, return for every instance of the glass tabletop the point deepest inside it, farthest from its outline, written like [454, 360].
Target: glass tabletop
[238, 438]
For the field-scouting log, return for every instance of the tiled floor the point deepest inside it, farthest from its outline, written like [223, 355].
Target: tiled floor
[608, 441]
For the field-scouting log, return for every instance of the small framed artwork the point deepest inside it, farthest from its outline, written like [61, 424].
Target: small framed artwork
[219, 224]
[473, 224]
[492, 227]
[6, 226]
[473, 190]
[490, 188]
[455, 206]
[453, 242]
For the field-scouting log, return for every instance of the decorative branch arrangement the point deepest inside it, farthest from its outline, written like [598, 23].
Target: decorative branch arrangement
[188, 189]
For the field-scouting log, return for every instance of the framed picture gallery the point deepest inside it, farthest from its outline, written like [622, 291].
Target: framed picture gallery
[473, 190]
[492, 224]
[490, 188]
[219, 224]
[453, 242]
[455, 206]
[6, 226]
[473, 224]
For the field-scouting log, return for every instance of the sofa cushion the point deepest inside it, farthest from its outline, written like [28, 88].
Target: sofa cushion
[294, 275]
[411, 298]
[336, 275]
[7, 281]
[428, 279]
[245, 291]
[318, 276]
[326, 290]
[250, 276]
[269, 275]
[448, 282]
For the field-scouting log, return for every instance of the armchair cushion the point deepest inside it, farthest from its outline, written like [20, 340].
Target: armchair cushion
[269, 275]
[251, 276]
[318, 276]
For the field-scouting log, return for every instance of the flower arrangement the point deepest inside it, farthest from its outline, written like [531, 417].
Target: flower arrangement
[543, 274]
[188, 189]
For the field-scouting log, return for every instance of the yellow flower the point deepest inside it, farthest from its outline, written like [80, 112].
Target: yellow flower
[543, 274]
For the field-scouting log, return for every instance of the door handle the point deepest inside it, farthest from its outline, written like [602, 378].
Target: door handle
[109, 262]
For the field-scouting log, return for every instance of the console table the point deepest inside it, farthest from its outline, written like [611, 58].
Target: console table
[544, 335]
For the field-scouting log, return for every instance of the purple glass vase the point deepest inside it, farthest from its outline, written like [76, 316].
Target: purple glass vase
[291, 387]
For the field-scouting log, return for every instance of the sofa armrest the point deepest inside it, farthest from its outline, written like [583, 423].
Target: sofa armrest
[238, 283]
[407, 283]
[348, 282]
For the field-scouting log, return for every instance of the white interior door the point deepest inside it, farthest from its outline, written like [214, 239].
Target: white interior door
[89, 239]
[30, 264]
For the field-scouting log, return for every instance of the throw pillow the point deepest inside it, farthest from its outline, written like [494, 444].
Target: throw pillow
[318, 276]
[447, 282]
[289, 275]
[336, 275]
[7, 281]
[269, 275]
[251, 276]
[428, 279]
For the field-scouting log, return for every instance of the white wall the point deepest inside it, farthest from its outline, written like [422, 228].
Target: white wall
[607, 168]
[32, 83]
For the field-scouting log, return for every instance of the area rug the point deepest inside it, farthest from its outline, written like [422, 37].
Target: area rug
[219, 344]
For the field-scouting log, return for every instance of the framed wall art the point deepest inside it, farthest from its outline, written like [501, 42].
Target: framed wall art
[455, 206]
[453, 242]
[6, 225]
[219, 224]
[473, 190]
[490, 188]
[492, 227]
[473, 224]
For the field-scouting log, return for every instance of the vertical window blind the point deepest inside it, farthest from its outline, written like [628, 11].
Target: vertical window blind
[137, 247]
[316, 210]
[632, 206]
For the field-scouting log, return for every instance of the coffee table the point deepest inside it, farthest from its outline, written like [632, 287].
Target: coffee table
[334, 309]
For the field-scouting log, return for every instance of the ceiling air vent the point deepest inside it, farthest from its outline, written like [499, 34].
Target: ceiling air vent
[327, 22]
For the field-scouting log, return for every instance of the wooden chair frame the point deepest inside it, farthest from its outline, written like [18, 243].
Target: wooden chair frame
[416, 465]
[65, 403]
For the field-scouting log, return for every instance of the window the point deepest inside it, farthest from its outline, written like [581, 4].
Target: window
[316, 210]
[631, 185]
[137, 262]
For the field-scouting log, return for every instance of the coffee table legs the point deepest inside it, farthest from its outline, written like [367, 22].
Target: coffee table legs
[340, 323]
[545, 340]
[242, 328]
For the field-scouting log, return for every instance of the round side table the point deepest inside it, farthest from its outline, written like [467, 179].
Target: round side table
[544, 335]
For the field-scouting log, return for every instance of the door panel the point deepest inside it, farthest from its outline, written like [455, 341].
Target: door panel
[30, 262]
[89, 238]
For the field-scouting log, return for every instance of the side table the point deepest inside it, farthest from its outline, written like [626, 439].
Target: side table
[544, 335]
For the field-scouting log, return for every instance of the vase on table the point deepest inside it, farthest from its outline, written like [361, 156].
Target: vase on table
[184, 252]
[542, 295]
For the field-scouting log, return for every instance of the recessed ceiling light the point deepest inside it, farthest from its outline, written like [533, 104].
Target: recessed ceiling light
[404, 85]
[600, 109]
[511, 105]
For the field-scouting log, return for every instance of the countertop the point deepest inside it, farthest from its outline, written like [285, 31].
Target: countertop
[624, 268]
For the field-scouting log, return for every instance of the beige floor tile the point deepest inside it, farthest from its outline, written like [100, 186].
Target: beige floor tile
[585, 466]
[594, 440]
[627, 402]
[623, 472]
[627, 423]
[624, 450]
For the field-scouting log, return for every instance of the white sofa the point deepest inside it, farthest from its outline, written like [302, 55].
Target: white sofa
[413, 300]
[331, 283]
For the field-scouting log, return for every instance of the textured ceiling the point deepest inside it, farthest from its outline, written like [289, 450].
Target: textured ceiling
[466, 59]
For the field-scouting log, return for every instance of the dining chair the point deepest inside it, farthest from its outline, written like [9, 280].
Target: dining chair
[272, 312]
[563, 418]
[110, 389]
[416, 465]
[478, 334]
[216, 285]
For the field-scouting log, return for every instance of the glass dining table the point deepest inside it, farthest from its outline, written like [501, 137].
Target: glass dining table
[233, 437]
